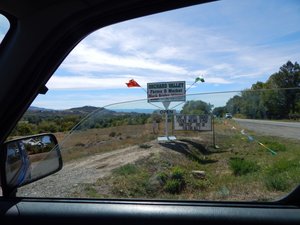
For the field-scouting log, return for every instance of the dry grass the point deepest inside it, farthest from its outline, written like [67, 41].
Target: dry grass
[194, 151]
[94, 141]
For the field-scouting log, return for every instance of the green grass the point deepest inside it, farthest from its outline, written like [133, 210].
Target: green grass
[240, 166]
[174, 186]
[283, 175]
[145, 146]
[126, 170]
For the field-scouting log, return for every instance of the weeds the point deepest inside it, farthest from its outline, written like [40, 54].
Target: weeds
[175, 181]
[126, 170]
[240, 170]
[240, 166]
[278, 147]
[174, 186]
[282, 175]
[277, 183]
[145, 146]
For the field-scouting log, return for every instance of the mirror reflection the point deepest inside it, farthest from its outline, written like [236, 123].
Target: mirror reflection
[31, 158]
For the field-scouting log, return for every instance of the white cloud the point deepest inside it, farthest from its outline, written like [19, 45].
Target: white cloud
[217, 80]
[164, 49]
[88, 59]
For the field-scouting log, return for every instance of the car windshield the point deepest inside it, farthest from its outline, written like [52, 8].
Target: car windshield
[200, 103]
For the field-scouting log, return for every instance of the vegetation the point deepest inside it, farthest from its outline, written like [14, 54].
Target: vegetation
[282, 175]
[238, 170]
[241, 166]
[279, 102]
[175, 182]
[196, 108]
[42, 121]
[145, 146]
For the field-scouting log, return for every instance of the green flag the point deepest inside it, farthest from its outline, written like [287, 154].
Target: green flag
[200, 78]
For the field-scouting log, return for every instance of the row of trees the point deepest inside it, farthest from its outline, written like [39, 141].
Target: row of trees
[38, 123]
[277, 98]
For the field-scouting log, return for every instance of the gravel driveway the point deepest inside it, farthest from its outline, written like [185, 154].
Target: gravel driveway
[86, 170]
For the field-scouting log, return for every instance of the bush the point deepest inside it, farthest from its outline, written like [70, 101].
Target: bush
[241, 167]
[126, 170]
[282, 175]
[177, 173]
[145, 146]
[174, 183]
[277, 183]
[174, 186]
[163, 177]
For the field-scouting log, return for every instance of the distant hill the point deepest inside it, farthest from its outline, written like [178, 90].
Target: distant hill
[84, 110]
[42, 120]
[34, 108]
[147, 111]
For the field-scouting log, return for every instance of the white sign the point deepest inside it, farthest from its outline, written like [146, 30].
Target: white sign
[193, 122]
[166, 91]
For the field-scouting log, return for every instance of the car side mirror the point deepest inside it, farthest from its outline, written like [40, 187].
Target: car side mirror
[31, 158]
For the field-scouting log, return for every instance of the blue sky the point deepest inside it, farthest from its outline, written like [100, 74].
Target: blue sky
[232, 43]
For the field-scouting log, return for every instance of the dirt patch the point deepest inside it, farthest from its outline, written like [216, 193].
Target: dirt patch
[85, 170]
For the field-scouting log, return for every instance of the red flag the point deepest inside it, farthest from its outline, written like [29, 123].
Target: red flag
[132, 83]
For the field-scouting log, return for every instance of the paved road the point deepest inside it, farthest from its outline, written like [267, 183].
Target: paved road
[272, 128]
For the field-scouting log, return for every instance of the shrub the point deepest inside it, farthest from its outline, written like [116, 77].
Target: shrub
[241, 167]
[173, 186]
[282, 175]
[199, 184]
[126, 170]
[177, 173]
[174, 183]
[145, 146]
[277, 183]
[163, 177]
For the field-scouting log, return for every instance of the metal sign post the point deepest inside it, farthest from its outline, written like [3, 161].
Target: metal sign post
[166, 92]
[166, 105]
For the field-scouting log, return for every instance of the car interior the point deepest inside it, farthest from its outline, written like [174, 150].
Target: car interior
[40, 37]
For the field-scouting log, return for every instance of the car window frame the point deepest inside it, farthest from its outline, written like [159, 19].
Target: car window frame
[291, 199]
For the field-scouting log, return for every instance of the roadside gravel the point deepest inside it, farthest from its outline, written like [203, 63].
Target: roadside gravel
[86, 170]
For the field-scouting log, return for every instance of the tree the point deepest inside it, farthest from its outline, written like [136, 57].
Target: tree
[219, 111]
[282, 100]
[287, 77]
[196, 108]
[234, 105]
[251, 102]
